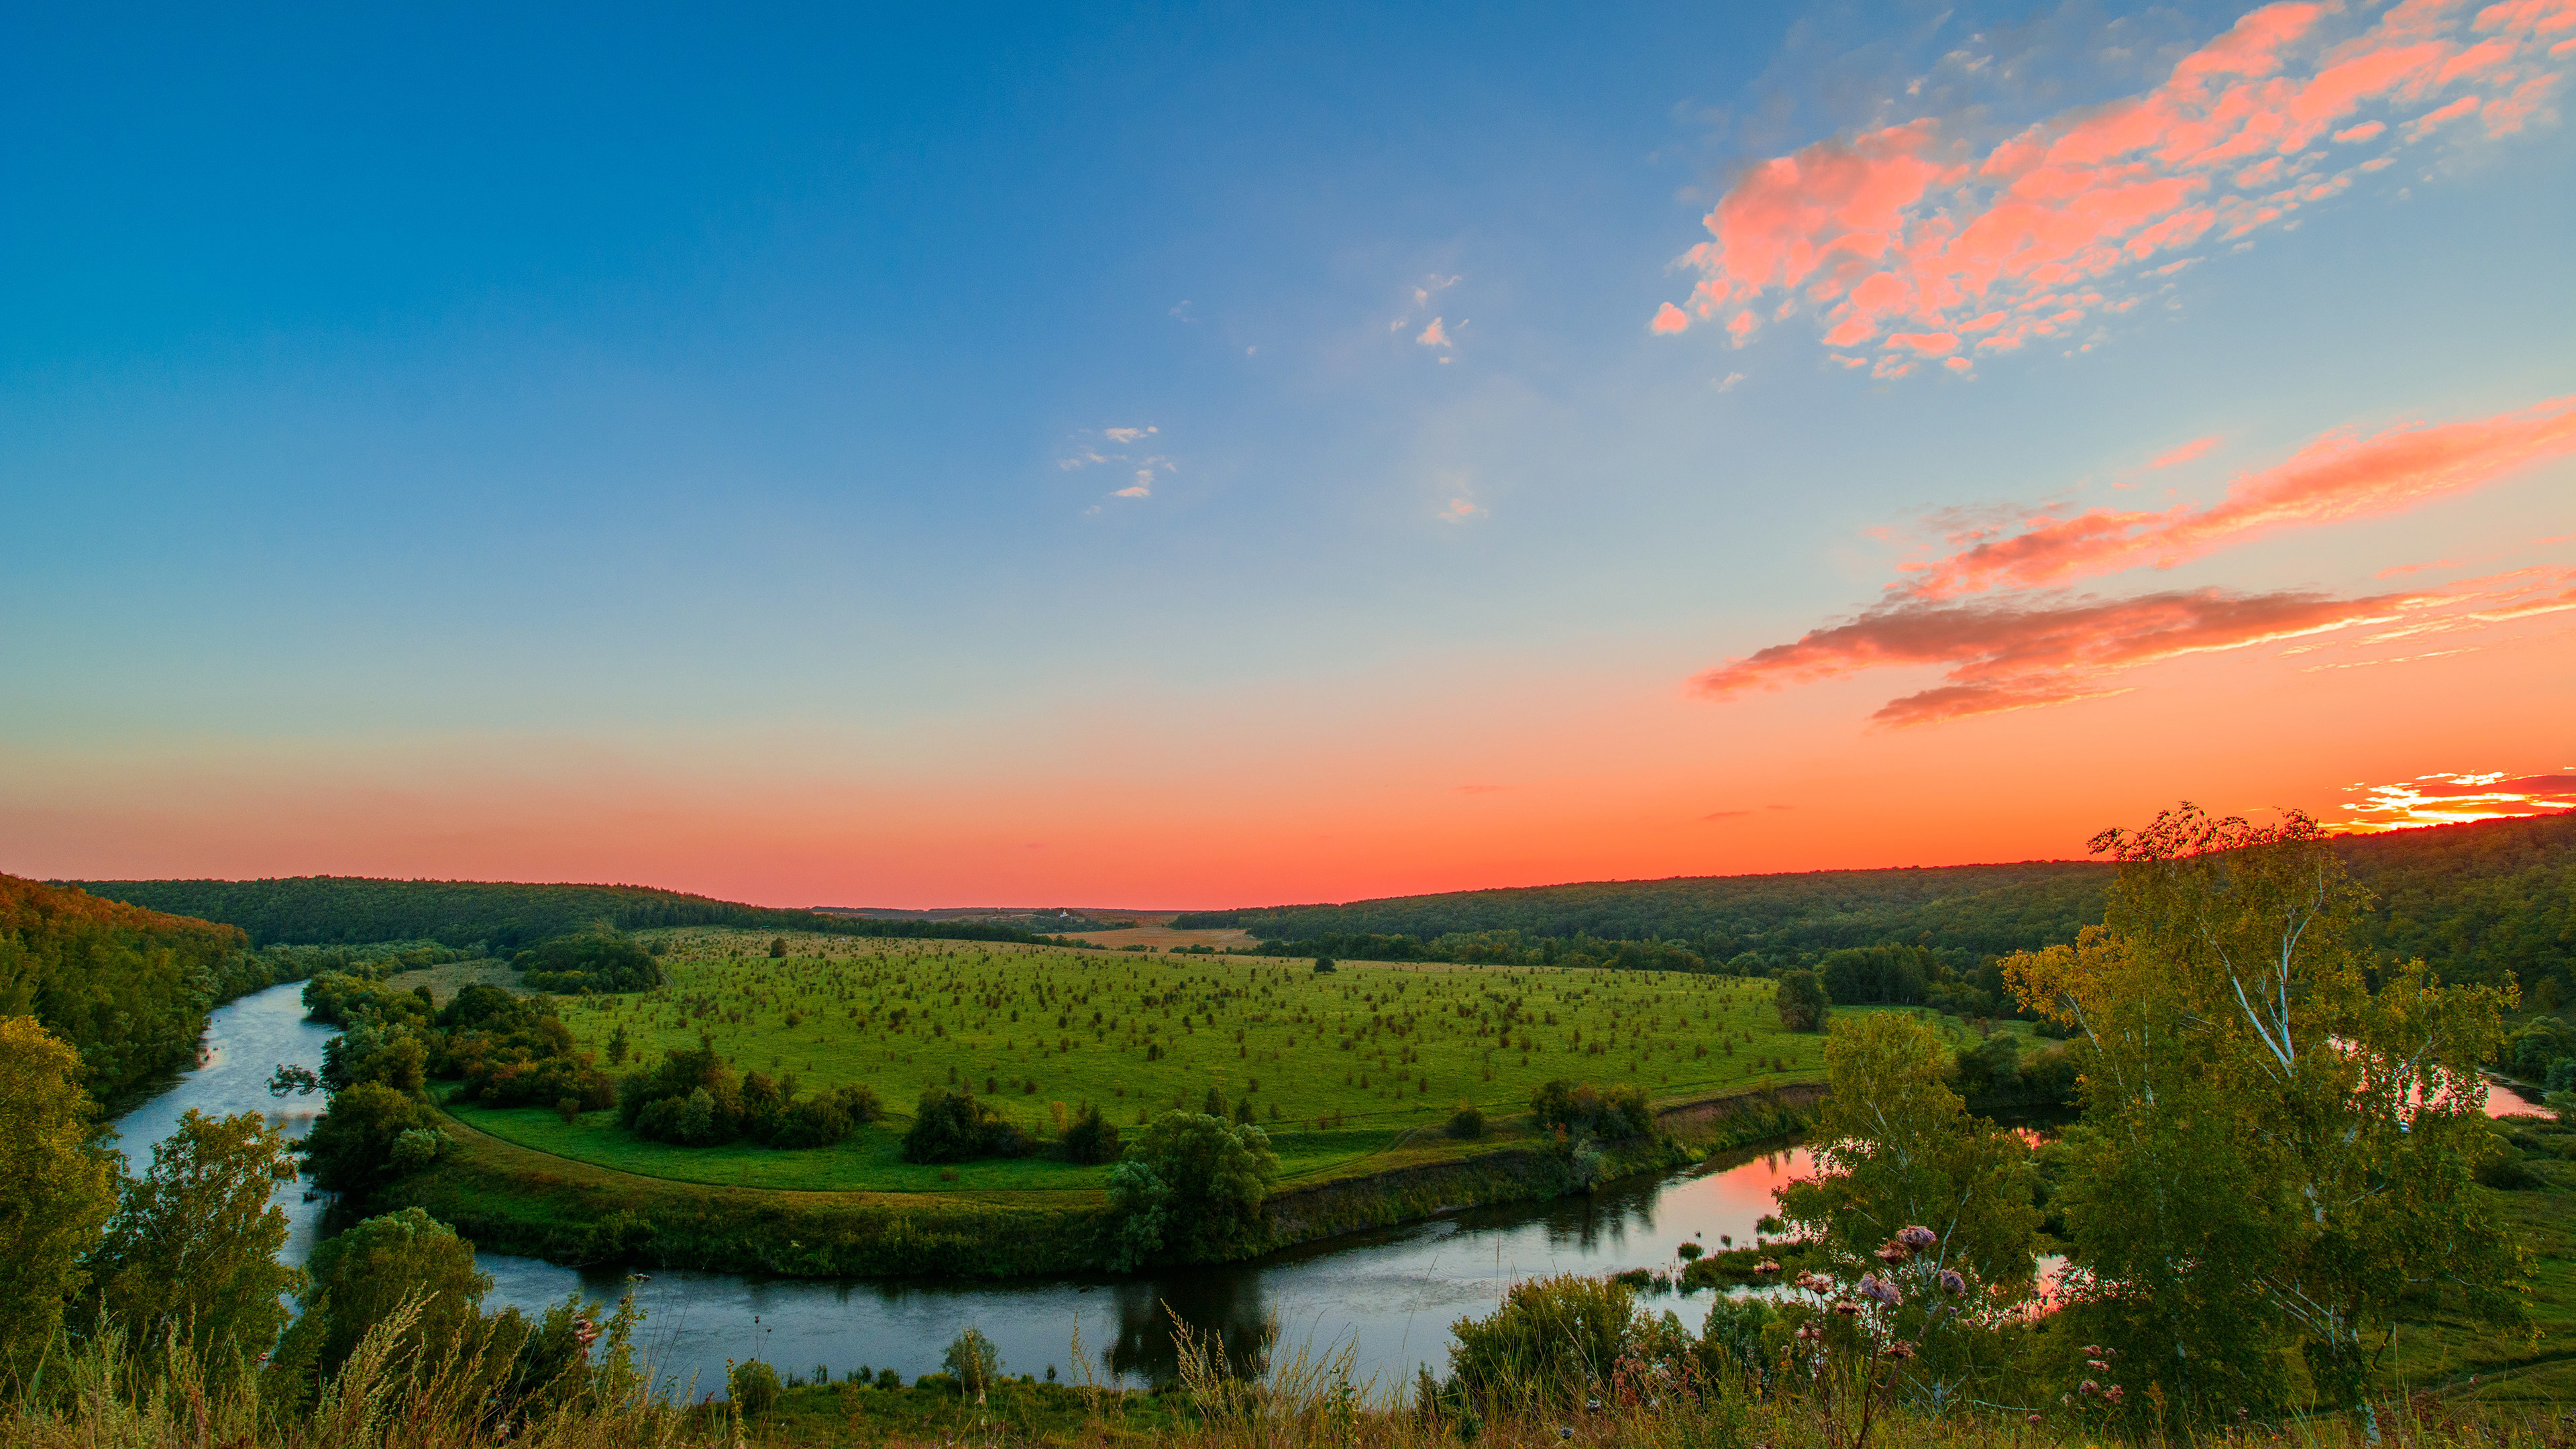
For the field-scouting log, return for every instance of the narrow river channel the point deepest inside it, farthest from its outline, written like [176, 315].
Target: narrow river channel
[1388, 1296]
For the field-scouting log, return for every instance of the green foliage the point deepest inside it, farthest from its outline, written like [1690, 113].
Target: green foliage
[505, 916]
[973, 1361]
[1190, 1190]
[593, 961]
[352, 1147]
[56, 1187]
[1467, 1122]
[358, 1278]
[2277, 1151]
[957, 1127]
[1091, 1138]
[1802, 1001]
[752, 1386]
[1550, 1341]
[1896, 1148]
[127, 989]
[1614, 1113]
[192, 1250]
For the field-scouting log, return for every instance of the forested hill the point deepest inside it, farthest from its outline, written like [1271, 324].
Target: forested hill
[503, 915]
[2477, 900]
[128, 988]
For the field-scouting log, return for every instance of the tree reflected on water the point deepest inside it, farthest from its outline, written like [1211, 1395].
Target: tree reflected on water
[1227, 1304]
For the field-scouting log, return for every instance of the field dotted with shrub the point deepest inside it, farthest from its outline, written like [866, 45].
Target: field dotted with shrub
[1349, 1071]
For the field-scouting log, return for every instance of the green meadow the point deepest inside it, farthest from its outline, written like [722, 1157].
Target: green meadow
[1339, 1067]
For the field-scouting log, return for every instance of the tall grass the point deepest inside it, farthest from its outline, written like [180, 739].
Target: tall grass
[101, 1396]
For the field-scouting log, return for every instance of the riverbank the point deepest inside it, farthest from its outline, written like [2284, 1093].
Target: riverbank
[513, 1199]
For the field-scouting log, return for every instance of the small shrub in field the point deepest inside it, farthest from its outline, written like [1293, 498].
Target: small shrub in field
[1091, 1138]
[1550, 1339]
[973, 1361]
[1467, 1123]
[753, 1387]
[1613, 1112]
[955, 1127]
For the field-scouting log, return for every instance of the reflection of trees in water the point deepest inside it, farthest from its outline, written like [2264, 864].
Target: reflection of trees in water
[1226, 1304]
[1586, 1221]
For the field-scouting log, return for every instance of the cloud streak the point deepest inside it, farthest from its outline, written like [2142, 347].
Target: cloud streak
[1910, 234]
[2020, 653]
[2450, 798]
[2338, 477]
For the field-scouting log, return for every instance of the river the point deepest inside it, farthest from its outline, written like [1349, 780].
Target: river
[1387, 1296]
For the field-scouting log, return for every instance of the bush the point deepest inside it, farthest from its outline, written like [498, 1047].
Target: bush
[954, 1127]
[1092, 1138]
[1615, 1113]
[351, 1150]
[1550, 1341]
[579, 965]
[1323, 964]
[361, 1276]
[1190, 1189]
[1467, 1123]
[973, 1361]
[1802, 1001]
[753, 1387]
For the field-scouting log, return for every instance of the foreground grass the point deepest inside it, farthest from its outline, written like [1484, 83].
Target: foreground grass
[1348, 1071]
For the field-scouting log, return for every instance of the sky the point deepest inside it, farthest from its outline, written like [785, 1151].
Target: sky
[1224, 455]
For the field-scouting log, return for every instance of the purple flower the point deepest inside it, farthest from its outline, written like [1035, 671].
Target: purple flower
[1952, 1283]
[2088, 1387]
[1873, 1286]
[1918, 1237]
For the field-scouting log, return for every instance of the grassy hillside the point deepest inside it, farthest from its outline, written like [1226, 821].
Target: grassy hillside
[1338, 1067]
[337, 910]
[2477, 900]
[128, 988]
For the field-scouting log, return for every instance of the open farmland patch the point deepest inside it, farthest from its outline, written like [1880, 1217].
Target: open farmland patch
[1347, 1070]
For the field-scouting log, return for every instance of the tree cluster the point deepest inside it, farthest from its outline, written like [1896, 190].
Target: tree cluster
[693, 1099]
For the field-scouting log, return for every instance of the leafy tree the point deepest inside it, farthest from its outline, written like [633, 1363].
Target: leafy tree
[593, 961]
[1895, 1148]
[1802, 1001]
[752, 1387]
[127, 989]
[358, 1278]
[1091, 1138]
[1617, 1111]
[957, 1127]
[1190, 1189]
[973, 1361]
[56, 1187]
[192, 1250]
[2273, 1152]
[351, 1148]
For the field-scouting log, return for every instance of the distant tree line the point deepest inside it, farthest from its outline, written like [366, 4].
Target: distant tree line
[2484, 902]
[501, 916]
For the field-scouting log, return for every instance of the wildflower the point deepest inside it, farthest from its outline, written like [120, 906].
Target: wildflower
[1593, 1404]
[2112, 1394]
[263, 1360]
[1892, 1253]
[1766, 1266]
[1917, 1238]
[1847, 1308]
[1881, 1289]
[1953, 1283]
[2034, 1418]
[1564, 1431]
[2088, 1387]
[1900, 1349]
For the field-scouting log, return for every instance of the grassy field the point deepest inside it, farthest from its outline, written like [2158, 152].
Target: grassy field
[1341, 1068]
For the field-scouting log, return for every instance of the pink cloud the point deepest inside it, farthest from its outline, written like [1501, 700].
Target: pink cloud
[2024, 652]
[2448, 798]
[1670, 319]
[2176, 457]
[2338, 477]
[1907, 232]
[1435, 335]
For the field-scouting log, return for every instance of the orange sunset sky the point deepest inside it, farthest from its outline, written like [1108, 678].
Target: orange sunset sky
[1220, 459]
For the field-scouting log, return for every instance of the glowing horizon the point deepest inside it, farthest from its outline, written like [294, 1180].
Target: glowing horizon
[1225, 461]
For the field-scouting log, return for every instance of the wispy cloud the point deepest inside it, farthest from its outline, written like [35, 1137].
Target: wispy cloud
[1912, 233]
[2338, 477]
[1726, 383]
[1435, 335]
[1092, 447]
[2176, 457]
[2017, 653]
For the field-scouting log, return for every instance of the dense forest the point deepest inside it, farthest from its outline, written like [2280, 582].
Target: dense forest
[129, 989]
[502, 916]
[2478, 901]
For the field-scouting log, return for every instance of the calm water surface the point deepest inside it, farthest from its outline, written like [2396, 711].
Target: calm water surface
[1389, 1296]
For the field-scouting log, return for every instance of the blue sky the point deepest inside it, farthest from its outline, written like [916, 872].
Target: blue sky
[642, 398]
